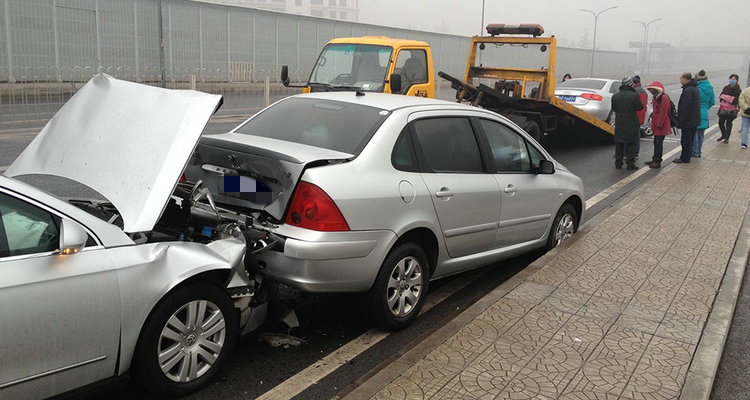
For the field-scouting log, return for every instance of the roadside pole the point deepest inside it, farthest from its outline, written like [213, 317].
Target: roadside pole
[161, 49]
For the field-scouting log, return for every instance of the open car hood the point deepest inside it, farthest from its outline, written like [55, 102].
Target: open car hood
[129, 142]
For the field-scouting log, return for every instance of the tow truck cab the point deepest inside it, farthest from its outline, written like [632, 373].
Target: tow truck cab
[372, 64]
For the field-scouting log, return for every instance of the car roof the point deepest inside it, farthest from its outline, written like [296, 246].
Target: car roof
[389, 102]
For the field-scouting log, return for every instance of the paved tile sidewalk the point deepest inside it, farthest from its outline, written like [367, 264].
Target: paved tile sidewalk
[618, 314]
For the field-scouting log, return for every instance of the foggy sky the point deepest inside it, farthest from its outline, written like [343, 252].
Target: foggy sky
[685, 22]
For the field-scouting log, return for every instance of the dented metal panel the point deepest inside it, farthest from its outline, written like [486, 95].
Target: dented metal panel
[127, 141]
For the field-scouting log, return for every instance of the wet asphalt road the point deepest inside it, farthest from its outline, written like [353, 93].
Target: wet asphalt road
[329, 321]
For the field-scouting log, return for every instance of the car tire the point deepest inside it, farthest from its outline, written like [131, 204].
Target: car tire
[186, 363]
[532, 128]
[611, 119]
[400, 287]
[648, 130]
[563, 227]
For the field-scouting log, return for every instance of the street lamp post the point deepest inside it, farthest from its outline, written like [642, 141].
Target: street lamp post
[596, 22]
[481, 28]
[651, 49]
[644, 43]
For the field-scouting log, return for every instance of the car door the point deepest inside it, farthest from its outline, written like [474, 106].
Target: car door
[60, 313]
[465, 197]
[528, 199]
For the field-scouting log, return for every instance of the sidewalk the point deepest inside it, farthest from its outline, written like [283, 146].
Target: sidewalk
[637, 306]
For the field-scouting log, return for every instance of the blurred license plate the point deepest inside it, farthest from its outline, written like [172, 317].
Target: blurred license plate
[569, 99]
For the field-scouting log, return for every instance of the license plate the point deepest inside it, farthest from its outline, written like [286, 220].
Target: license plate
[569, 99]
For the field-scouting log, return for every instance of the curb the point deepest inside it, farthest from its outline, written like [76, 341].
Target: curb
[702, 371]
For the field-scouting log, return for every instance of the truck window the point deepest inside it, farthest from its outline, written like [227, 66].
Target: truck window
[358, 66]
[508, 148]
[448, 144]
[412, 66]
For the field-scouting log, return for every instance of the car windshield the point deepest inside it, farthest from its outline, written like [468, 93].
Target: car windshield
[332, 125]
[353, 66]
[593, 84]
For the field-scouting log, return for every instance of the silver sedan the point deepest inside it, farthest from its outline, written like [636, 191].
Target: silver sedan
[380, 194]
[151, 279]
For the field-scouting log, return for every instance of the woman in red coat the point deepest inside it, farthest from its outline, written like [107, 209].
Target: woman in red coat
[660, 123]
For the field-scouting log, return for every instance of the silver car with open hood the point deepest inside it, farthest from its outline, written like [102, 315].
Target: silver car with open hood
[152, 279]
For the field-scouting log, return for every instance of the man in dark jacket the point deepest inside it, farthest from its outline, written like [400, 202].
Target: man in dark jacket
[626, 103]
[688, 115]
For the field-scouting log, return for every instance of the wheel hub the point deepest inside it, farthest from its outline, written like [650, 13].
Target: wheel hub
[404, 287]
[191, 339]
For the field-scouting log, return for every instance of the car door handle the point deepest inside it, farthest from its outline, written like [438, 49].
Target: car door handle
[509, 189]
[444, 192]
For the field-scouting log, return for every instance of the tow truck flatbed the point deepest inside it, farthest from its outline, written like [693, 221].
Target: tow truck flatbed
[539, 112]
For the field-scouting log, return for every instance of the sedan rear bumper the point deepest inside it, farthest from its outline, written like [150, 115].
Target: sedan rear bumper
[329, 262]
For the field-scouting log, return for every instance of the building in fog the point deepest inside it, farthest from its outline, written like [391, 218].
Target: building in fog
[345, 10]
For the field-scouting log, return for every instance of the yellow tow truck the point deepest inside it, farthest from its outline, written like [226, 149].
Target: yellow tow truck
[524, 95]
[371, 64]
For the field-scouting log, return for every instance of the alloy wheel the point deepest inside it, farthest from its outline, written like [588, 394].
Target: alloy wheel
[404, 287]
[565, 229]
[191, 341]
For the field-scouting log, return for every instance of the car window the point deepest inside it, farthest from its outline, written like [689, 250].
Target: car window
[614, 88]
[535, 155]
[448, 144]
[25, 228]
[333, 125]
[508, 147]
[403, 157]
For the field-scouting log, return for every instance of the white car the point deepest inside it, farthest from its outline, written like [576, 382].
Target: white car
[152, 280]
[594, 95]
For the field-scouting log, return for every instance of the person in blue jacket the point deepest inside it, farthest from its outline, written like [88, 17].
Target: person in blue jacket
[707, 101]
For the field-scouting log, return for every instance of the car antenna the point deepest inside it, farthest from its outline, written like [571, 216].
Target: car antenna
[360, 93]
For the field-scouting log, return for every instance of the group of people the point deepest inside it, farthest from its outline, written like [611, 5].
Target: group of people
[690, 116]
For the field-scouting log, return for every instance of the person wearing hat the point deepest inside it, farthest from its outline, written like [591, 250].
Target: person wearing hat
[660, 123]
[706, 91]
[688, 115]
[626, 103]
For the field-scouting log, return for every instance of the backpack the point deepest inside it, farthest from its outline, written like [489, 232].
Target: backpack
[672, 113]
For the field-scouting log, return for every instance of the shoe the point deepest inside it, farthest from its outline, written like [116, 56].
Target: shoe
[744, 146]
[679, 161]
[720, 139]
[632, 167]
[655, 165]
[726, 140]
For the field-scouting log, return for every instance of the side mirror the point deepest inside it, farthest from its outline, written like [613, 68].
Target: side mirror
[285, 75]
[72, 237]
[395, 81]
[546, 167]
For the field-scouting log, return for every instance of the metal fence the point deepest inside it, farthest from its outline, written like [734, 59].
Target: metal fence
[49, 47]
[69, 40]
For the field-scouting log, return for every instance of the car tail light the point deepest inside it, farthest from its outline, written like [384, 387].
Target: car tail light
[312, 208]
[592, 96]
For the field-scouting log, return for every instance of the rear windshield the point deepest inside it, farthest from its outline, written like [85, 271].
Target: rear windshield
[593, 84]
[332, 125]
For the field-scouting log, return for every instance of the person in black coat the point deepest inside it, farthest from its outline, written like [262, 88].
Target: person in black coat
[688, 115]
[625, 104]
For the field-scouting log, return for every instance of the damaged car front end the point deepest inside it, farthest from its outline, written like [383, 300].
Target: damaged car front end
[158, 280]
